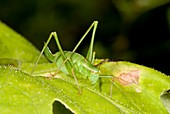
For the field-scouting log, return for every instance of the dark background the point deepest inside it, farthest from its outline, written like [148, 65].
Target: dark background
[131, 30]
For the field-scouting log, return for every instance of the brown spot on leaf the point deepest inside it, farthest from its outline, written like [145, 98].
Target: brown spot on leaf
[131, 77]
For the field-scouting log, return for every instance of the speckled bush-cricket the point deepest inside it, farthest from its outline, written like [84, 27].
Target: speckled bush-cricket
[72, 63]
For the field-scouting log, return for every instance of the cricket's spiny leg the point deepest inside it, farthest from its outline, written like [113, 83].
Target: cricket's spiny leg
[93, 57]
[90, 53]
[35, 65]
[95, 26]
[76, 81]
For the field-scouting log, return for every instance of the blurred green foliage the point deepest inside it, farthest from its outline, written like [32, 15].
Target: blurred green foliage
[133, 30]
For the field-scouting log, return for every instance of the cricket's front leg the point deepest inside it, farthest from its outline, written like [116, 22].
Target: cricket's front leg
[76, 81]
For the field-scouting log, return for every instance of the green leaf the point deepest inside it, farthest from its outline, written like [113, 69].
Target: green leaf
[131, 89]
[38, 94]
[21, 93]
[136, 86]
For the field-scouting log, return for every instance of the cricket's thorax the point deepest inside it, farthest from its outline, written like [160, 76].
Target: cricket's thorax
[83, 67]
